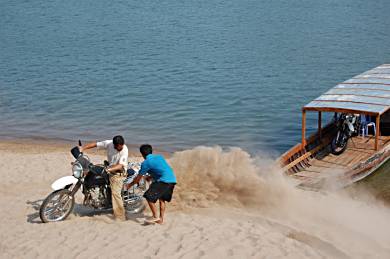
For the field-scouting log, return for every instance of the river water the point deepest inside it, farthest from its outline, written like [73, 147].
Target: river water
[179, 74]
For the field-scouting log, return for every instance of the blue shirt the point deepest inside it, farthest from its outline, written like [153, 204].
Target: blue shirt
[158, 168]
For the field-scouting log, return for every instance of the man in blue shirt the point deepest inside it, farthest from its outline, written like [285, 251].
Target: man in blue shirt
[163, 183]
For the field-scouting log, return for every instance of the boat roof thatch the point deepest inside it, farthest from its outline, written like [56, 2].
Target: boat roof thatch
[367, 93]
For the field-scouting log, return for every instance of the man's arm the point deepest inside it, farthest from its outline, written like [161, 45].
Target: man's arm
[135, 181]
[87, 146]
[122, 164]
[114, 168]
[144, 169]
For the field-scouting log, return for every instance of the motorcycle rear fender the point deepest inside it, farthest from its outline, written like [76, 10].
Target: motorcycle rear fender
[62, 182]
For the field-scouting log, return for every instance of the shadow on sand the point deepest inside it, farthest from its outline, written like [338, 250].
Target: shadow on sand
[80, 211]
[33, 218]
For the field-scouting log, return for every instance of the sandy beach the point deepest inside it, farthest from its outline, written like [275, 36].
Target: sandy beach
[227, 204]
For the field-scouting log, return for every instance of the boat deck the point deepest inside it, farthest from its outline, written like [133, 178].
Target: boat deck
[323, 163]
[366, 95]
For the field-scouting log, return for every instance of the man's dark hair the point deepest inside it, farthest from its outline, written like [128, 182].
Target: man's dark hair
[118, 140]
[145, 150]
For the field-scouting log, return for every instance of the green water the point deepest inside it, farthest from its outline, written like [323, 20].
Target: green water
[378, 183]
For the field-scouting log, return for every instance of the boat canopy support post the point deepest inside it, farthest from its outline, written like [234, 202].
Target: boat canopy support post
[319, 125]
[303, 128]
[378, 133]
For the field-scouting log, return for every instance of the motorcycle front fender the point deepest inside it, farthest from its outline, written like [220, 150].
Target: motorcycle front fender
[64, 181]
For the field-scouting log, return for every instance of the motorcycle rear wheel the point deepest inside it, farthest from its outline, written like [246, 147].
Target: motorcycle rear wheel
[135, 206]
[133, 200]
[57, 206]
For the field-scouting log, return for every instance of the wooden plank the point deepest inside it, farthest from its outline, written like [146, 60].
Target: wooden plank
[385, 141]
[363, 83]
[309, 169]
[303, 128]
[346, 101]
[348, 159]
[357, 91]
[303, 157]
[319, 125]
[364, 88]
[308, 174]
[368, 76]
[319, 169]
[336, 164]
[350, 98]
[289, 153]
[357, 88]
[343, 159]
[326, 164]
[351, 160]
[343, 110]
[358, 158]
[287, 156]
[354, 94]
[364, 150]
[377, 125]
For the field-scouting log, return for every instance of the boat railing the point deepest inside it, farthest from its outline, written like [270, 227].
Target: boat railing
[298, 157]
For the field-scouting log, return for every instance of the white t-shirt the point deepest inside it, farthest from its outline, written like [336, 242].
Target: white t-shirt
[114, 156]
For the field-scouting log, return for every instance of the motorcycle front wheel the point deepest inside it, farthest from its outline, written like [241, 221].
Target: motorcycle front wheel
[57, 206]
[339, 143]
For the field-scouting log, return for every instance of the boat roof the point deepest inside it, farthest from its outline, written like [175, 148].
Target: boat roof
[367, 93]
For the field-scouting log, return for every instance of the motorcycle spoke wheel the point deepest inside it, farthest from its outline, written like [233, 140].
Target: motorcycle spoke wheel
[57, 206]
[133, 200]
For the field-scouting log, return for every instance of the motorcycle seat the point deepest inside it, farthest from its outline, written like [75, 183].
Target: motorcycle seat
[131, 172]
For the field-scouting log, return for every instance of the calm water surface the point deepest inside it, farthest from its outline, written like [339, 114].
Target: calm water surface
[180, 73]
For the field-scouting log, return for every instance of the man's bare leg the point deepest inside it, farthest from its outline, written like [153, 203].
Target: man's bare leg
[153, 208]
[162, 211]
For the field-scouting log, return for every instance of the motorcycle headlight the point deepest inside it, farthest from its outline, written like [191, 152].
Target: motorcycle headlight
[77, 170]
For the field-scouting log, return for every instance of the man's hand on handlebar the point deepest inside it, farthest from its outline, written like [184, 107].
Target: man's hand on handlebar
[114, 168]
[135, 181]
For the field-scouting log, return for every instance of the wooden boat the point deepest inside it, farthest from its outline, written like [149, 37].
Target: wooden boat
[311, 161]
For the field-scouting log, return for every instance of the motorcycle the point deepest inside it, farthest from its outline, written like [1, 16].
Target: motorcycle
[95, 185]
[347, 125]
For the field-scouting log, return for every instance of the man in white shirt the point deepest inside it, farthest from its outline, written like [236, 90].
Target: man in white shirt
[117, 156]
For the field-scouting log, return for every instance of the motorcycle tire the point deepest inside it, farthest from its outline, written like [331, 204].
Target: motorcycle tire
[136, 207]
[335, 149]
[64, 213]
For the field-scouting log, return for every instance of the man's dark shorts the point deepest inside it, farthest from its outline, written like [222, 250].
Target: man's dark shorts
[159, 190]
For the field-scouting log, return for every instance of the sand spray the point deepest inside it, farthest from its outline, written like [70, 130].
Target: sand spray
[213, 177]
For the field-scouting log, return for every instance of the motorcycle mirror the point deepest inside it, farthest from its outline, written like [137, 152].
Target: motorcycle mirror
[80, 143]
[75, 152]
[106, 163]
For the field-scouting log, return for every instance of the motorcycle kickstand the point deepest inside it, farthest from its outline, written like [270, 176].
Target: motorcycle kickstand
[353, 142]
